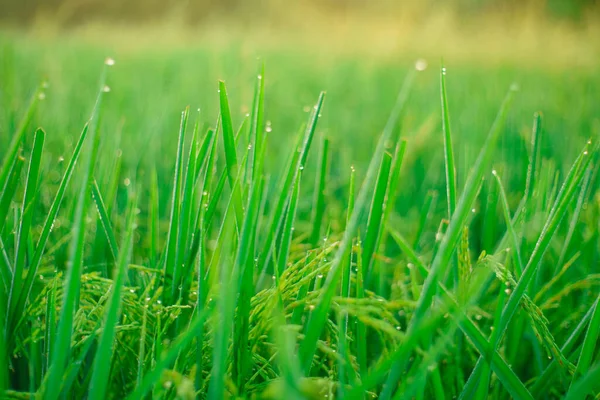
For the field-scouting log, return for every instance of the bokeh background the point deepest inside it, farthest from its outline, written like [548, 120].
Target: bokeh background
[170, 54]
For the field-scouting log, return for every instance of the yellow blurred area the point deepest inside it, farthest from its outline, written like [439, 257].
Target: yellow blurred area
[520, 35]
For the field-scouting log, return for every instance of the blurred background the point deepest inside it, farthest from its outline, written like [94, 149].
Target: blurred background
[169, 54]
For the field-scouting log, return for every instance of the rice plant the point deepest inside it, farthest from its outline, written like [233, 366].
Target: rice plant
[236, 265]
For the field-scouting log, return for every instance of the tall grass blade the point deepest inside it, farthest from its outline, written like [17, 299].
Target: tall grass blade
[27, 210]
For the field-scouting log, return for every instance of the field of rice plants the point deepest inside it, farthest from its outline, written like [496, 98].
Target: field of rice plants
[194, 222]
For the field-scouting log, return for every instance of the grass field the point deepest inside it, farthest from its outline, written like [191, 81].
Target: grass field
[189, 221]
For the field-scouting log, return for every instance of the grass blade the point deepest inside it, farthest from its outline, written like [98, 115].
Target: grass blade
[13, 147]
[171, 246]
[27, 209]
[318, 208]
[104, 354]
[105, 220]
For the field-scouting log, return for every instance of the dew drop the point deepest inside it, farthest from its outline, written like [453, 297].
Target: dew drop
[42, 96]
[106, 89]
[127, 182]
[109, 61]
[131, 290]
[421, 64]
[443, 70]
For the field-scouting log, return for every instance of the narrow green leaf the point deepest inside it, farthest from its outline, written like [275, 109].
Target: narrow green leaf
[105, 220]
[10, 188]
[318, 208]
[172, 237]
[230, 151]
[104, 354]
[587, 349]
[27, 209]
[13, 147]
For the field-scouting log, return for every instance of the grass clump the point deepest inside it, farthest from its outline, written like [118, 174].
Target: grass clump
[233, 274]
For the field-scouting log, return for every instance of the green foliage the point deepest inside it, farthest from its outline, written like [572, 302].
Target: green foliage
[213, 268]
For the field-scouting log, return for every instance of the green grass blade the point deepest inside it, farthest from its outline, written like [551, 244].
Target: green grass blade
[550, 228]
[587, 349]
[245, 270]
[535, 157]
[171, 246]
[13, 147]
[318, 208]
[230, 151]
[256, 124]
[105, 220]
[541, 384]
[10, 188]
[48, 224]
[27, 209]
[374, 223]
[288, 230]
[588, 384]
[516, 251]
[102, 362]
[448, 148]
[296, 165]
